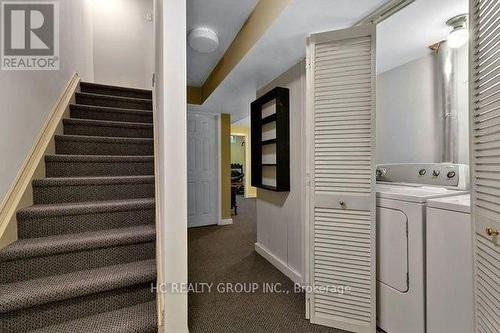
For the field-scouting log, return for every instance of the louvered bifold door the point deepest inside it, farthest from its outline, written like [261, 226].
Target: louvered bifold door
[341, 105]
[485, 154]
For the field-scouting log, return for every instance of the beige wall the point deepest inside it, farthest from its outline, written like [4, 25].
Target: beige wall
[280, 215]
[238, 150]
[225, 159]
[27, 97]
[123, 42]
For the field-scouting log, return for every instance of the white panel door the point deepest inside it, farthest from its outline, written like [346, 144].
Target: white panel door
[202, 149]
[341, 105]
[485, 159]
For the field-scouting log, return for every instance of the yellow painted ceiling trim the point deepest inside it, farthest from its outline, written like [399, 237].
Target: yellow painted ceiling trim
[261, 18]
[194, 95]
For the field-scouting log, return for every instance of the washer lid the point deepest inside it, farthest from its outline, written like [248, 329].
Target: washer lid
[418, 194]
[460, 203]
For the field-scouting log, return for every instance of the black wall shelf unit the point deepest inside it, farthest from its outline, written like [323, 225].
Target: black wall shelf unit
[270, 130]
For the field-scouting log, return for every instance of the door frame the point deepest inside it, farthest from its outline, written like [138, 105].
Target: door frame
[247, 148]
[218, 149]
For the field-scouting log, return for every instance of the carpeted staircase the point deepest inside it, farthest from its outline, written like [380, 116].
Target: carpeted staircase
[85, 258]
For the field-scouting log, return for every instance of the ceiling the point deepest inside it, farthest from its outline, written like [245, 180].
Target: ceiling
[400, 39]
[225, 17]
[406, 35]
[282, 46]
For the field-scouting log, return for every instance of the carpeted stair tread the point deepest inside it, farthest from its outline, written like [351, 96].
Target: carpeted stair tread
[25, 294]
[115, 101]
[101, 145]
[105, 128]
[67, 218]
[111, 97]
[80, 181]
[99, 158]
[98, 165]
[110, 113]
[76, 208]
[97, 88]
[109, 109]
[101, 139]
[92, 189]
[46, 246]
[140, 318]
[106, 123]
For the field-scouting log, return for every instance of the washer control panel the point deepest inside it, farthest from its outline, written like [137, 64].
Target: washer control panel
[454, 176]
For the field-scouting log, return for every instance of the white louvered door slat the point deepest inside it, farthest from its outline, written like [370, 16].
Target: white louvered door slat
[485, 159]
[341, 90]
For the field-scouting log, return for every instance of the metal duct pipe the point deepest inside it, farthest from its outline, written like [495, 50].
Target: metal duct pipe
[448, 100]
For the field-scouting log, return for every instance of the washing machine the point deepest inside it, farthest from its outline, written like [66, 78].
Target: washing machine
[402, 194]
[450, 274]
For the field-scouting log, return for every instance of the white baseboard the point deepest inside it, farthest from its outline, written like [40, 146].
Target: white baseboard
[225, 222]
[278, 263]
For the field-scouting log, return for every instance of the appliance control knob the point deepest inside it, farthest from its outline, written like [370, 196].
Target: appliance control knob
[381, 172]
[451, 174]
[436, 173]
[422, 172]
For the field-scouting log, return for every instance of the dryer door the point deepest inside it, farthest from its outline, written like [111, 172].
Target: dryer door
[392, 248]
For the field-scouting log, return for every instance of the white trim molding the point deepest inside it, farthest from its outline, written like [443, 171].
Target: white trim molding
[225, 222]
[279, 264]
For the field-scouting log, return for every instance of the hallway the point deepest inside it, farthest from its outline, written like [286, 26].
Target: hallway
[226, 255]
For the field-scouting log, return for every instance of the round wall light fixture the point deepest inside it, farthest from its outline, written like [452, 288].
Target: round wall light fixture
[459, 35]
[203, 40]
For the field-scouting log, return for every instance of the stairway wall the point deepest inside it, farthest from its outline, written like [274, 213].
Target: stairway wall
[29, 96]
[133, 41]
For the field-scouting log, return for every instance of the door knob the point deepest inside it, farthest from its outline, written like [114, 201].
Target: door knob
[342, 203]
[492, 232]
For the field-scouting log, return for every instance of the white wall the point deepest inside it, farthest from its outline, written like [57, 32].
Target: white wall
[410, 111]
[280, 216]
[27, 97]
[171, 160]
[123, 42]
[409, 123]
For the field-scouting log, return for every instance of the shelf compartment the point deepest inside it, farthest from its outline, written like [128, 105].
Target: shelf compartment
[269, 131]
[269, 142]
[269, 154]
[268, 109]
[269, 175]
[270, 188]
[269, 119]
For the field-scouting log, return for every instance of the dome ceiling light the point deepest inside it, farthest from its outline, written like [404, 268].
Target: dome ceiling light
[459, 34]
[203, 40]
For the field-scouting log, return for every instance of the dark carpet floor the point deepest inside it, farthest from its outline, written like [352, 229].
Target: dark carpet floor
[226, 255]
